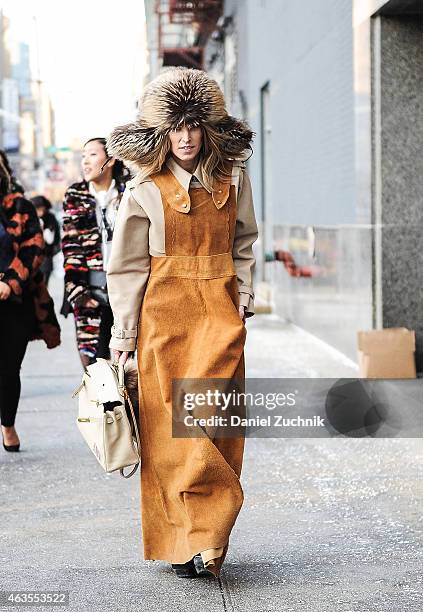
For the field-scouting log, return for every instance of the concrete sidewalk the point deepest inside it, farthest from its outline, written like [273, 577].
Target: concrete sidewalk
[330, 525]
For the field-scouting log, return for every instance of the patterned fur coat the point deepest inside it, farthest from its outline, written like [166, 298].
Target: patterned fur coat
[81, 245]
[81, 240]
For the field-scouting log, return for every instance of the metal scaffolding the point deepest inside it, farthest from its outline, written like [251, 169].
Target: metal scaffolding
[184, 27]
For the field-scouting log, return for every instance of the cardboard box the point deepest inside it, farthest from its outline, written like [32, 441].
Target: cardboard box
[387, 353]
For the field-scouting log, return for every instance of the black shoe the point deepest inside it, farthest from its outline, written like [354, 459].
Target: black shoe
[12, 448]
[185, 570]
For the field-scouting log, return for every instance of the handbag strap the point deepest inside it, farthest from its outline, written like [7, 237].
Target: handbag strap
[124, 392]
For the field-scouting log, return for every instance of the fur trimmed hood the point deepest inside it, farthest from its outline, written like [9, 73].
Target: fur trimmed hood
[178, 96]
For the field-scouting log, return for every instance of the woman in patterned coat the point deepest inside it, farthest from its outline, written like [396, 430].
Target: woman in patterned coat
[89, 211]
[26, 308]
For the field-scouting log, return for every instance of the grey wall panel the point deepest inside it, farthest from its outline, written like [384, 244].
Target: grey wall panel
[305, 50]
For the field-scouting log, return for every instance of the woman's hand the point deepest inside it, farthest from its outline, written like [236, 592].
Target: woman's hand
[87, 301]
[120, 356]
[91, 303]
[5, 291]
[241, 311]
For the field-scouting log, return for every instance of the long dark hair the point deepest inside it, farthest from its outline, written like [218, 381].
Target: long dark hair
[41, 201]
[119, 171]
[8, 182]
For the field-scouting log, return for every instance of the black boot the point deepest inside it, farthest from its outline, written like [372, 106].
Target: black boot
[185, 570]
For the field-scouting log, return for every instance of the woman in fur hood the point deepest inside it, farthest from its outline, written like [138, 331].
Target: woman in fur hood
[180, 279]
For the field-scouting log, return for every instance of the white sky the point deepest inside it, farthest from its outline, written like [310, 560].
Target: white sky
[92, 59]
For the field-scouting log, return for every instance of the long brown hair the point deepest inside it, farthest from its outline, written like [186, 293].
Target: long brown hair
[214, 163]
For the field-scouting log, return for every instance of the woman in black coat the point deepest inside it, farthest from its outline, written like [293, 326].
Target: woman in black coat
[26, 308]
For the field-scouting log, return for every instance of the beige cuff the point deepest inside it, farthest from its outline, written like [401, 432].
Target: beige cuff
[245, 299]
[128, 344]
[123, 339]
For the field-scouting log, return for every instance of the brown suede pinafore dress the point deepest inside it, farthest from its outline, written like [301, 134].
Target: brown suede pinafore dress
[189, 327]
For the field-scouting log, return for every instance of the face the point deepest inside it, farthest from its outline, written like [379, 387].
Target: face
[41, 211]
[93, 158]
[186, 143]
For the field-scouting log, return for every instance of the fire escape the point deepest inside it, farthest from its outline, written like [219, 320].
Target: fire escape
[184, 27]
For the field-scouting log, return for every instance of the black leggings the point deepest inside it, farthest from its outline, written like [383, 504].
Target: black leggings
[16, 323]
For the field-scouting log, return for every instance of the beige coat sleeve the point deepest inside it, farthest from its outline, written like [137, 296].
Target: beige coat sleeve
[128, 270]
[246, 233]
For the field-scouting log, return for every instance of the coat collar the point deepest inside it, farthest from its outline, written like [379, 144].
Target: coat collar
[183, 176]
[178, 183]
[108, 191]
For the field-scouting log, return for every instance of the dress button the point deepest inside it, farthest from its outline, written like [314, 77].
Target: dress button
[184, 205]
[220, 191]
[178, 195]
[219, 201]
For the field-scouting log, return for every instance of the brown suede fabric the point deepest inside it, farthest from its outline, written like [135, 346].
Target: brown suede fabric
[189, 327]
[140, 233]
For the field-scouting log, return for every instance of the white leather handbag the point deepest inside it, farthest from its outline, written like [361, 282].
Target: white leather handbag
[103, 420]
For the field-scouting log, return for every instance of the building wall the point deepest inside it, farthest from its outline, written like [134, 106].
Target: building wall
[304, 51]
[400, 64]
